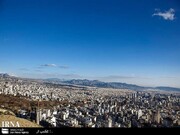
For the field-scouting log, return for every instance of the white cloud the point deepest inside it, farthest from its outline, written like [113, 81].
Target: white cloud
[167, 15]
[54, 65]
[49, 65]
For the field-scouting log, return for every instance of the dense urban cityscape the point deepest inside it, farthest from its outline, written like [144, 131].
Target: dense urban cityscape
[89, 64]
[82, 106]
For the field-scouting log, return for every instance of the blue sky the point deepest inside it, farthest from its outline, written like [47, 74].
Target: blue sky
[110, 40]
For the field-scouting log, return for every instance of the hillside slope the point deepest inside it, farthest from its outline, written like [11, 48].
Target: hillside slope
[22, 122]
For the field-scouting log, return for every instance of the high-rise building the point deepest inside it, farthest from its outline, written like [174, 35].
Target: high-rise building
[157, 117]
[140, 113]
[109, 123]
[37, 116]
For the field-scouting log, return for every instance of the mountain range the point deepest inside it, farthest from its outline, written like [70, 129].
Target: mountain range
[99, 84]
[115, 85]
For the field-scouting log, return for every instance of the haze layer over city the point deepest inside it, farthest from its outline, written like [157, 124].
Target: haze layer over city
[90, 63]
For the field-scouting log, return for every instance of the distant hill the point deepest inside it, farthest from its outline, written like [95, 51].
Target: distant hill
[4, 75]
[99, 84]
[56, 80]
[116, 85]
[168, 88]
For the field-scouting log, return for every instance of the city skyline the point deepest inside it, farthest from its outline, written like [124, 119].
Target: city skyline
[113, 41]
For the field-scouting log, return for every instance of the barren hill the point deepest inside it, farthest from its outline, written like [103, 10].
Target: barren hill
[22, 122]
